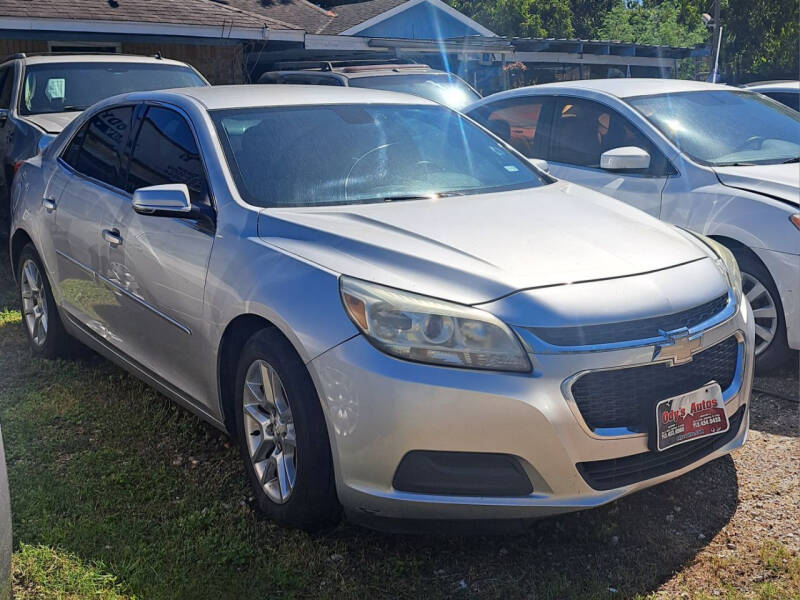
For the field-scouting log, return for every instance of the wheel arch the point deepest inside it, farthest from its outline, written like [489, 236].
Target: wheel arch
[19, 239]
[233, 339]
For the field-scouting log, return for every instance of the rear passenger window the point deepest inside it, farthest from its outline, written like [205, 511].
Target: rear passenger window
[522, 122]
[166, 152]
[96, 149]
[6, 85]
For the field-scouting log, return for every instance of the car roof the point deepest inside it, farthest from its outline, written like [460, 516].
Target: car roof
[623, 87]
[243, 96]
[98, 58]
[774, 85]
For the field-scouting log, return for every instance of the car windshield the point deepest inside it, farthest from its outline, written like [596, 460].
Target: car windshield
[351, 154]
[724, 128]
[439, 87]
[63, 87]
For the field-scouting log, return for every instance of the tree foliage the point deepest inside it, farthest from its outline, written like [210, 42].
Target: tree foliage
[651, 23]
[521, 18]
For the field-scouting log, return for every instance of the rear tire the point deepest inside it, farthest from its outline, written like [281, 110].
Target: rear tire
[772, 347]
[40, 319]
[282, 435]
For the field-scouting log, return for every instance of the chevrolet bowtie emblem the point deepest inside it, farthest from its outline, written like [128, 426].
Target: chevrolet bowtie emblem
[680, 348]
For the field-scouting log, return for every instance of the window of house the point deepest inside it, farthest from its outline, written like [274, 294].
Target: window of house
[166, 152]
[97, 148]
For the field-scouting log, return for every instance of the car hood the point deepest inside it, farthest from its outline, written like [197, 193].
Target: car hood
[472, 249]
[778, 181]
[53, 122]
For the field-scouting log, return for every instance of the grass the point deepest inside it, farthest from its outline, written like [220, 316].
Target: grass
[117, 493]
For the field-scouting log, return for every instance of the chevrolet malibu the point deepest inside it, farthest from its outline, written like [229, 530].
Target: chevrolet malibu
[390, 310]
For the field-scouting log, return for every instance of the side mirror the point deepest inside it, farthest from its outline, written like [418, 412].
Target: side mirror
[170, 200]
[627, 158]
[540, 164]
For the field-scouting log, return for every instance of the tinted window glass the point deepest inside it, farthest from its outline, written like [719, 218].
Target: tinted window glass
[166, 152]
[790, 99]
[60, 87]
[310, 80]
[518, 121]
[96, 150]
[725, 127]
[6, 84]
[583, 130]
[349, 154]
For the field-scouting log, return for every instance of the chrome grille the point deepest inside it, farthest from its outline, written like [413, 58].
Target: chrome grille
[624, 397]
[640, 329]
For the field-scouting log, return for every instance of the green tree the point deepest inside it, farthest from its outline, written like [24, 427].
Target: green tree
[520, 18]
[761, 39]
[651, 23]
[588, 15]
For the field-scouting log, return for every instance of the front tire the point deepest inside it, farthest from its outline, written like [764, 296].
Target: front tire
[771, 347]
[282, 435]
[40, 319]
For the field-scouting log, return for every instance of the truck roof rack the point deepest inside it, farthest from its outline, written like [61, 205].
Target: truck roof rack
[344, 65]
[20, 55]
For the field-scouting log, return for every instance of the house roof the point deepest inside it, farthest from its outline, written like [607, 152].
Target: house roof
[352, 14]
[184, 12]
[302, 14]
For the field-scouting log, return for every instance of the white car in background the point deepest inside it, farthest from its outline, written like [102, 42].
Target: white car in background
[785, 92]
[718, 160]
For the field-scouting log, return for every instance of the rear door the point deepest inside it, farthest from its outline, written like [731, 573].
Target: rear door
[7, 77]
[522, 122]
[86, 183]
[581, 131]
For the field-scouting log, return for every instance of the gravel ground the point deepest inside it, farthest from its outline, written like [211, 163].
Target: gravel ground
[757, 553]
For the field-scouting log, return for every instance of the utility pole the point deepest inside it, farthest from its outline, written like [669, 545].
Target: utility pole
[715, 37]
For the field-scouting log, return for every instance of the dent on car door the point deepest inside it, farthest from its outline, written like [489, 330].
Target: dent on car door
[162, 262]
[582, 131]
[83, 188]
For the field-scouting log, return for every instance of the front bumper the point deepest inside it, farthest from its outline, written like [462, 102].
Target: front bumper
[785, 271]
[379, 408]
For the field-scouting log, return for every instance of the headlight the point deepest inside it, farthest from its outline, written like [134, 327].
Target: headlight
[433, 331]
[727, 263]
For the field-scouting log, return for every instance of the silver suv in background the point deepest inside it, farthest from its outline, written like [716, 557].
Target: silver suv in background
[41, 94]
[415, 79]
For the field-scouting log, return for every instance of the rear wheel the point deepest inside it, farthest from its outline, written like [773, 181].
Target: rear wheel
[771, 346]
[40, 318]
[282, 435]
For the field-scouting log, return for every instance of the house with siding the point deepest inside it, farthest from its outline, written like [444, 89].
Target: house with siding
[234, 41]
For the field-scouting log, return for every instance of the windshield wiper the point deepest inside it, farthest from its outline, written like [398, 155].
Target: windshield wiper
[73, 107]
[736, 164]
[791, 160]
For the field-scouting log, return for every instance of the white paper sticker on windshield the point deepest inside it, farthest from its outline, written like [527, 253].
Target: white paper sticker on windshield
[511, 168]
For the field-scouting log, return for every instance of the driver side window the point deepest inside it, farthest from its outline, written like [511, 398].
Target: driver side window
[166, 152]
[584, 129]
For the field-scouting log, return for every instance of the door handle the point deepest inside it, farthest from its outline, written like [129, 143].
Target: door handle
[49, 204]
[112, 236]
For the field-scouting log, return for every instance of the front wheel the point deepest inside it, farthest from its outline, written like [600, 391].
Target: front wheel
[282, 435]
[771, 345]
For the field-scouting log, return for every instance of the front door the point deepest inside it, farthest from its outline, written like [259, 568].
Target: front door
[581, 131]
[159, 268]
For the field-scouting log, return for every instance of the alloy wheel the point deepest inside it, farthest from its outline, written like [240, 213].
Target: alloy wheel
[269, 431]
[34, 303]
[764, 311]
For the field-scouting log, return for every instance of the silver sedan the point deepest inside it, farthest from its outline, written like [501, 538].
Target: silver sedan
[391, 310]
